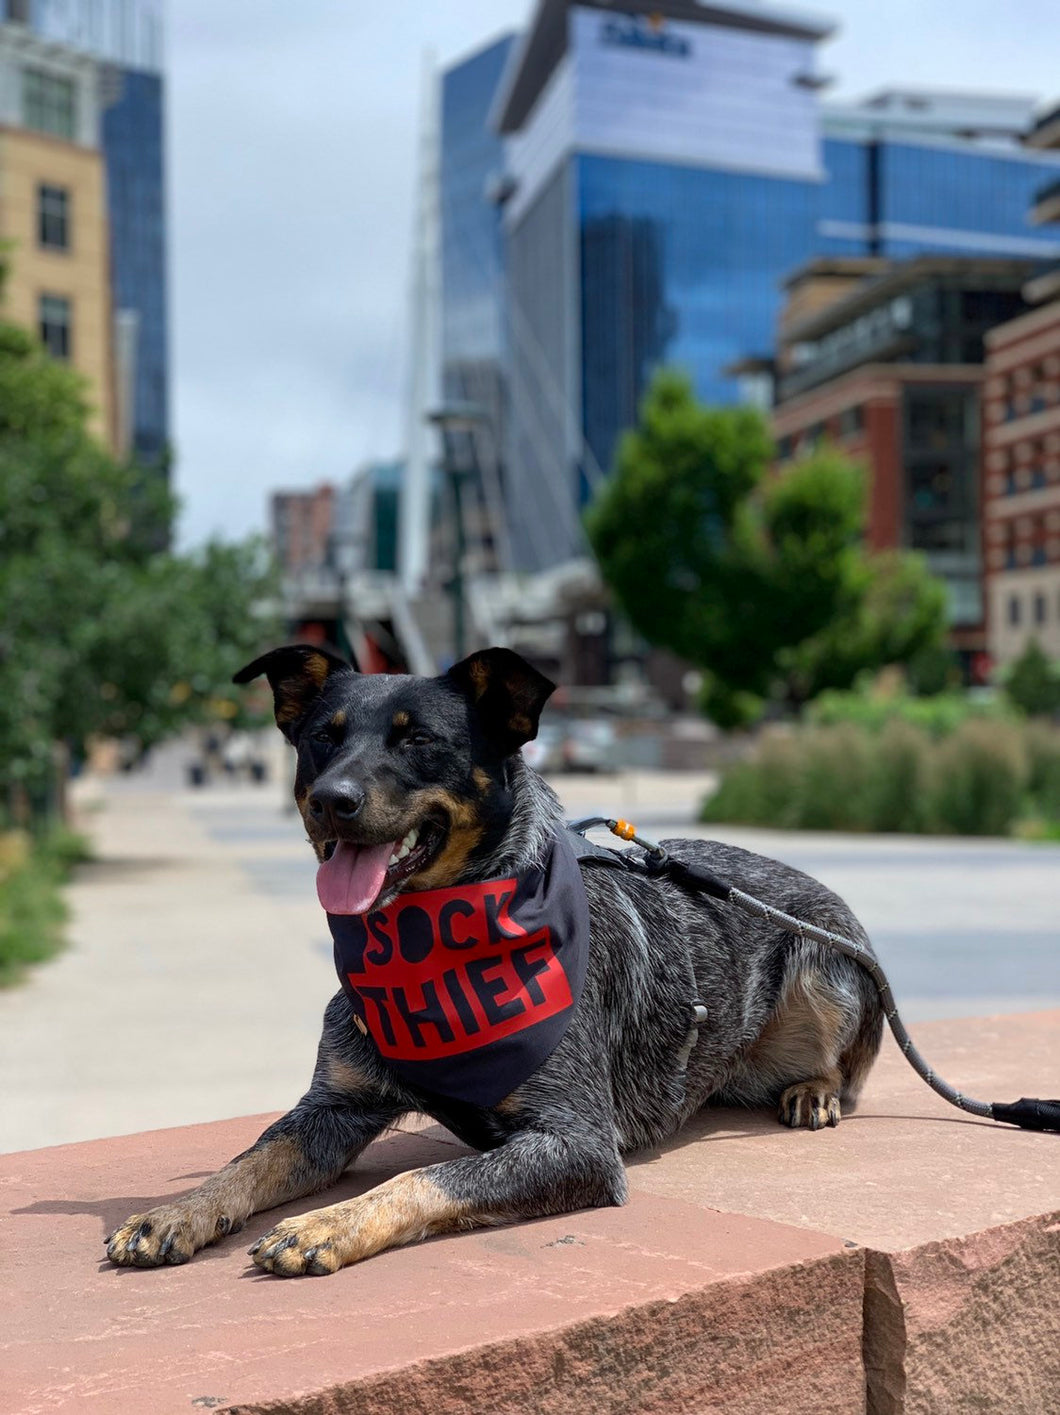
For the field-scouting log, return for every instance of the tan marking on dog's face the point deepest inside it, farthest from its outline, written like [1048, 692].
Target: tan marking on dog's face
[401, 720]
[339, 718]
[403, 1210]
[482, 780]
[465, 834]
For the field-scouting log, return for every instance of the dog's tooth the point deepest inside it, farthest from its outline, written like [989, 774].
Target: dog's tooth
[410, 840]
[393, 859]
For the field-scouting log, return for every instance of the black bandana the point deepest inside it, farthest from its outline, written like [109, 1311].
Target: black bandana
[468, 991]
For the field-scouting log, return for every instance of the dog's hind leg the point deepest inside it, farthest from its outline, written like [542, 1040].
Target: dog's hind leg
[532, 1174]
[815, 1050]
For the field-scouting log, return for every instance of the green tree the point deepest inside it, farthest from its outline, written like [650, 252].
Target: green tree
[762, 581]
[1033, 682]
[100, 631]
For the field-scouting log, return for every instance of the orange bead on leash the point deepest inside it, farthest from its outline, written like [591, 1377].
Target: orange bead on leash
[624, 830]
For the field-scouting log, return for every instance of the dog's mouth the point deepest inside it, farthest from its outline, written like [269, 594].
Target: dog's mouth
[353, 878]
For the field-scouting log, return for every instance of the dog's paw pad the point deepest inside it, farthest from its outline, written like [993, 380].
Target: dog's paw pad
[810, 1105]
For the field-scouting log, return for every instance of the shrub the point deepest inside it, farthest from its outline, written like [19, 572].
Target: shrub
[1043, 770]
[899, 779]
[764, 791]
[977, 780]
[938, 715]
[835, 779]
[985, 778]
[32, 911]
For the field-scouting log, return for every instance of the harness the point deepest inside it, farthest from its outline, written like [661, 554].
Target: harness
[1028, 1113]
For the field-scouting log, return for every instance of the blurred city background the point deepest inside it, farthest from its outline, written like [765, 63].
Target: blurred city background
[706, 354]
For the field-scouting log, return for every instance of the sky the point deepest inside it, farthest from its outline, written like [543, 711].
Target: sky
[292, 148]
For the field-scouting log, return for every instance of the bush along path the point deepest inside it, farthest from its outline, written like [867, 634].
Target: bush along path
[32, 909]
[989, 776]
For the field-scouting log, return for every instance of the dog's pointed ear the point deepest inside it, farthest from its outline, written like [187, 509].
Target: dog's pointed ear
[507, 692]
[296, 675]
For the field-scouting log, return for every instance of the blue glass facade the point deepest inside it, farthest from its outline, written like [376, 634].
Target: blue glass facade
[897, 199]
[680, 266]
[133, 153]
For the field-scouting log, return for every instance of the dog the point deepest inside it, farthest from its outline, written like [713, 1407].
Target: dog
[415, 789]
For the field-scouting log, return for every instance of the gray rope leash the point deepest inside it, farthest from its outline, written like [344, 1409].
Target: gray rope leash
[1028, 1113]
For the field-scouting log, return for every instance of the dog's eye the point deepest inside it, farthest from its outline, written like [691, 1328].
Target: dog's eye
[325, 736]
[418, 738]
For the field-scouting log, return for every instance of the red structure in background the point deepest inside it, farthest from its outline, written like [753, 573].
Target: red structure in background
[302, 523]
[1021, 439]
[1021, 484]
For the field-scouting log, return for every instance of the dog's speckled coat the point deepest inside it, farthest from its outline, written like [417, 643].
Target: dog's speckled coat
[789, 1023]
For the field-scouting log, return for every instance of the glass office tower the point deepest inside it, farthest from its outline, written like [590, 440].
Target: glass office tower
[664, 172]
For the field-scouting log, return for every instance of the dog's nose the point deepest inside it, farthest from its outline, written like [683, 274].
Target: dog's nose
[340, 801]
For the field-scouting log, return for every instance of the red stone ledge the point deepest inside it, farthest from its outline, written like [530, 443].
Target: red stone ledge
[907, 1262]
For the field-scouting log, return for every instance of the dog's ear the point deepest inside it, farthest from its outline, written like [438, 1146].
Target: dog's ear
[296, 675]
[507, 692]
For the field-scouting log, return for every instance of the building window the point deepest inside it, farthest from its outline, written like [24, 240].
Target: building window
[49, 103]
[1039, 609]
[1014, 610]
[785, 448]
[53, 217]
[55, 331]
[851, 421]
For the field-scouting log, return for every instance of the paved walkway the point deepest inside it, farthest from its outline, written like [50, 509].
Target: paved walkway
[200, 961]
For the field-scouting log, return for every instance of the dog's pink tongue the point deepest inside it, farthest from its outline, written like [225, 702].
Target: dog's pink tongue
[351, 881]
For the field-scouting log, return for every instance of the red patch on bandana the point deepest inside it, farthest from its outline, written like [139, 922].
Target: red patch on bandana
[450, 970]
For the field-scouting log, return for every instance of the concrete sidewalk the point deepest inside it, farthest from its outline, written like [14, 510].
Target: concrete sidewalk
[187, 992]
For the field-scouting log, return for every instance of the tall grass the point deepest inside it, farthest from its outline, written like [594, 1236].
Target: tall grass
[986, 777]
[32, 910]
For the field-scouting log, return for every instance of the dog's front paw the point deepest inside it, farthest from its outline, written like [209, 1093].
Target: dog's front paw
[172, 1233]
[316, 1243]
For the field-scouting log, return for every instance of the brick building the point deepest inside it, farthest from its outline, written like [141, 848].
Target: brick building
[1021, 436]
[887, 362]
[302, 523]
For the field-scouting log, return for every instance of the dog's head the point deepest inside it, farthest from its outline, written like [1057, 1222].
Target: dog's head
[400, 780]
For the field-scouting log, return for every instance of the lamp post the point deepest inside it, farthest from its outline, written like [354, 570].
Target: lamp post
[457, 423]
